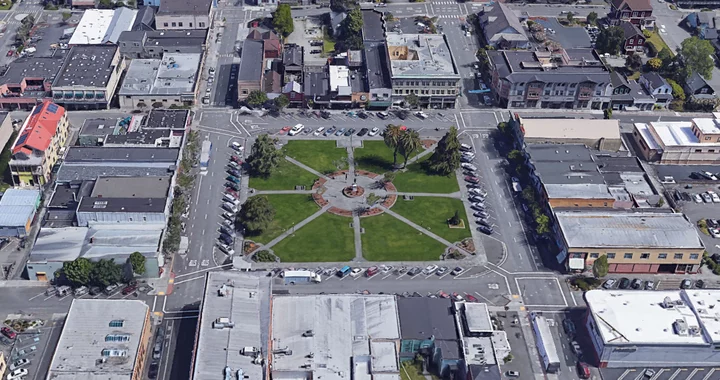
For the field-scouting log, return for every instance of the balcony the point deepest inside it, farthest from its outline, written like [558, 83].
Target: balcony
[533, 95]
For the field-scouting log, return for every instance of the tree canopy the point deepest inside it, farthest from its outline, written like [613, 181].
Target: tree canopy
[610, 40]
[343, 5]
[412, 100]
[409, 143]
[78, 270]
[392, 136]
[282, 20]
[282, 101]
[351, 30]
[592, 18]
[633, 62]
[264, 156]
[601, 266]
[137, 260]
[697, 56]
[446, 157]
[256, 215]
[256, 98]
[655, 64]
[106, 272]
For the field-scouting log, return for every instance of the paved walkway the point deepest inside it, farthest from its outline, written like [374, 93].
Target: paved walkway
[358, 238]
[456, 195]
[311, 170]
[423, 230]
[295, 228]
[284, 192]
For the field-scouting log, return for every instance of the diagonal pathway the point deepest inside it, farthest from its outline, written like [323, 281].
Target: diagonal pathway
[311, 170]
[423, 230]
[296, 227]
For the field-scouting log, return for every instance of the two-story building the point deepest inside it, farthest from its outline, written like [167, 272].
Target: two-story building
[170, 81]
[502, 28]
[567, 78]
[658, 87]
[698, 87]
[27, 81]
[88, 77]
[38, 145]
[629, 94]
[153, 44]
[695, 142]
[634, 38]
[638, 12]
[186, 14]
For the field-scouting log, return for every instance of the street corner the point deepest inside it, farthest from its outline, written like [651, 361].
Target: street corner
[541, 292]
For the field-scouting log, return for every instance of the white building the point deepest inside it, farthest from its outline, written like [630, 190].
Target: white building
[695, 142]
[654, 328]
[160, 82]
[103, 26]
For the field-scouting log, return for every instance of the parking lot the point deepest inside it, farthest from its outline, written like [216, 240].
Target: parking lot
[699, 201]
[686, 373]
[308, 29]
[33, 346]
[568, 37]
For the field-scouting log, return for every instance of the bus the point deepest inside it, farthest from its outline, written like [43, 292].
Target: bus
[344, 271]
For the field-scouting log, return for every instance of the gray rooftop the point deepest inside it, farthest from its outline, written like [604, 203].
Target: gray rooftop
[477, 318]
[58, 218]
[98, 127]
[151, 137]
[67, 195]
[637, 230]
[569, 65]
[131, 187]
[428, 55]
[175, 38]
[564, 164]
[654, 79]
[293, 56]
[193, 7]
[46, 68]
[578, 190]
[316, 82]
[84, 172]
[344, 329]
[87, 66]
[373, 27]
[501, 19]
[244, 299]
[423, 317]
[83, 339]
[95, 154]
[16, 216]
[20, 197]
[251, 65]
[175, 74]
[172, 119]
[122, 205]
[695, 82]
[378, 68]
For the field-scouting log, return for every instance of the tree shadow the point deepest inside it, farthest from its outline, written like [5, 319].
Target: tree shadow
[374, 161]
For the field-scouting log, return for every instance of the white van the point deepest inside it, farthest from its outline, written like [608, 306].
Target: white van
[466, 148]
[296, 129]
[62, 291]
[81, 291]
[229, 198]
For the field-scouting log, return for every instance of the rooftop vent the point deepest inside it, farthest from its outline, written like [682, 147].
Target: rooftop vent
[680, 327]
[222, 323]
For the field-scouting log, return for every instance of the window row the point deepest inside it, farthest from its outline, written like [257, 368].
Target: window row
[646, 256]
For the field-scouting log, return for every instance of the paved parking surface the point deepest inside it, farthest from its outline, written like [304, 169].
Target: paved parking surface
[569, 37]
[689, 373]
[36, 345]
[541, 291]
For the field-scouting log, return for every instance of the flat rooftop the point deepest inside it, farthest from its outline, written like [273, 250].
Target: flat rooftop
[87, 66]
[676, 133]
[45, 68]
[175, 38]
[101, 26]
[171, 119]
[193, 7]
[344, 329]
[174, 74]
[107, 154]
[684, 317]
[574, 65]
[477, 317]
[424, 55]
[578, 190]
[99, 127]
[378, 70]
[251, 66]
[124, 205]
[131, 187]
[423, 317]
[707, 125]
[560, 129]
[636, 230]
[373, 26]
[84, 341]
[244, 299]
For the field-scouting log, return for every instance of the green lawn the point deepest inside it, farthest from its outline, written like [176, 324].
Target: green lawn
[285, 177]
[658, 44]
[411, 371]
[328, 238]
[290, 209]
[321, 155]
[432, 213]
[389, 239]
[417, 180]
[376, 157]
[328, 42]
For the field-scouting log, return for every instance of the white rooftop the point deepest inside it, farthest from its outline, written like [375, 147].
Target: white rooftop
[342, 328]
[420, 55]
[577, 190]
[647, 136]
[101, 26]
[677, 133]
[707, 125]
[174, 74]
[477, 317]
[656, 317]
[591, 129]
[339, 79]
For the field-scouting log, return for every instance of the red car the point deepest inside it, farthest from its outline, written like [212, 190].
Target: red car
[284, 130]
[472, 179]
[10, 53]
[442, 294]
[231, 192]
[8, 332]
[583, 370]
[471, 298]
[129, 289]
[236, 159]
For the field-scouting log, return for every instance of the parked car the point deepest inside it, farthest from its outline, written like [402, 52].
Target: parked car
[129, 289]
[465, 159]
[478, 206]
[111, 289]
[362, 115]
[512, 374]
[8, 332]
[330, 131]
[569, 327]
[483, 222]
[686, 284]
[233, 179]
[228, 215]
[472, 179]
[698, 198]
[349, 132]
[340, 132]
[466, 147]
[442, 271]
[356, 272]
[383, 115]
[237, 146]
[636, 283]
[17, 374]
[706, 197]
[153, 370]
[468, 166]
[624, 283]
[414, 271]
[430, 269]
[609, 283]
[575, 346]
[362, 132]
[457, 297]
[477, 191]
[232, 185]
[227, 239]
[485, 230]
[373, 270]
[457, 271]
[236, 159]
[19, 363]
[649, 285]
[319, 131]
[374, 131]
[421, 115]
[471, 298]
[583, 370]
[476, 199]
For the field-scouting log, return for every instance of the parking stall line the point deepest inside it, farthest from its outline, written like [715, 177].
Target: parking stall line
[627, 371]
[695, 370]
[659, 372]
[36, 296]
[47, 298]
[709, 374]
[677, 373]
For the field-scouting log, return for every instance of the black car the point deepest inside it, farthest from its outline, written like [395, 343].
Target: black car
[227, 239]
[485, 229]
[699, 284]
[414, 271]
[624, 283]
[153, 370]
[234, 173]
[325, 114]
[233, 186]
[95, 290]
[350, 132]
[402, 115]
[363, 132]
[636, 283]
[362, 115]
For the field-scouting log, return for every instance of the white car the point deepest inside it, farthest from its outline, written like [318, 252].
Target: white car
[17, 374]
[430, 269]
[237, 146]
[714, 196]
[468, 166]
[698, 198]
[296, 129]
[19, 363]
[476, 191]
[374, 131]
[319, 131]
[469, 155]
[356, 272]
[421, 115]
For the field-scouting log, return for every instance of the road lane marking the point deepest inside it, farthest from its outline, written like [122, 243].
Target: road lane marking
[33, 297]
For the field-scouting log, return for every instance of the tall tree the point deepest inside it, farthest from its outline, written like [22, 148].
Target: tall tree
[666, 56]
[697, 56]
[256, 215]
[392, 135]
[282, 101]
[412, 100]
[633, 62]
[343, 5]
[282, 20]
[409, 143]
[256, 98]
[592, 18]
[106, 272]
[264, 156]
[446, 157]
[601, 266]
[610, 40]
[351, 30]
[570, 17]
[78, 270]
[137, 260]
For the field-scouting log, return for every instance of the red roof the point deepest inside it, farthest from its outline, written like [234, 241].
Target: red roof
[40, 128]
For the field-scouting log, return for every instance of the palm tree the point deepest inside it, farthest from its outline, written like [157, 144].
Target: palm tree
[409, 143]
[392, 136]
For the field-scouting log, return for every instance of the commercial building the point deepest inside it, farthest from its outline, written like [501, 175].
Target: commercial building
[232, 334]
[640, 242]
[39, 145]
[26, 82]
[250, 73]
[102, 339]
[170, 81]
[334, 337]
[88, 77]
[189, 14]
[595, 133]
[102, 26]
[695, 142]
[17, 211]
[422, 64]
[152, 44]
[377, 72]
[89, 163]
[502, 28]
[677, 328]
[567, 78]
[63, 204]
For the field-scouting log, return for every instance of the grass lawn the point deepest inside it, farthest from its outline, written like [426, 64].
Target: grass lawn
[417, 180]
[290, 209]
[5, 5]
[328, 42]
[411, 371]
[432, 213]
[285, 177]
[389, 239]
[658, 44]
[376, 157]
[327, 238]
[319, 155]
